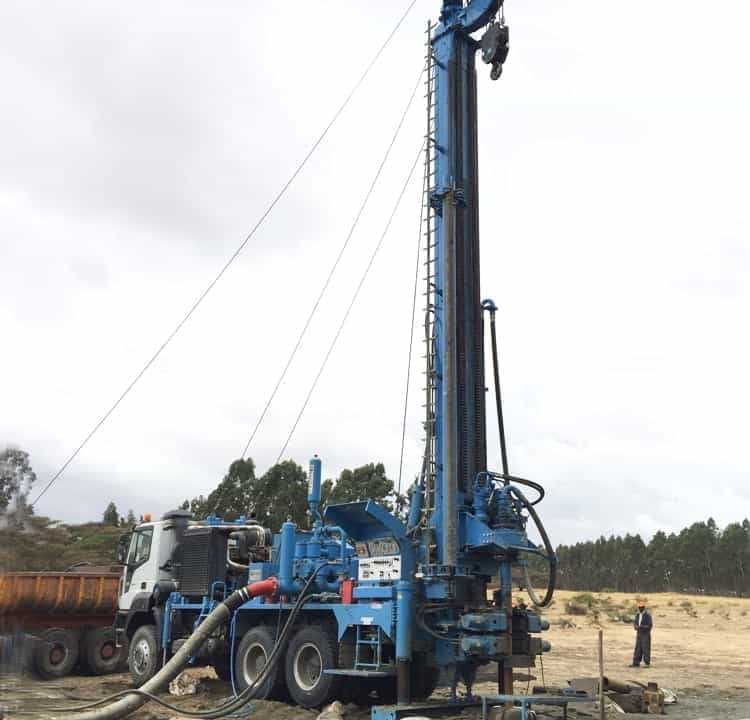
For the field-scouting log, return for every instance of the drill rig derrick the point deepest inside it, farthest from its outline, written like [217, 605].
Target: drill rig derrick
[474, 526]
[381, 603]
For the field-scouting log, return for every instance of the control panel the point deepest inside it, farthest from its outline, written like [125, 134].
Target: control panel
[385, 567]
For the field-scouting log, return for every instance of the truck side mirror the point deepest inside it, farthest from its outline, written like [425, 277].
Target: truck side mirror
[121, 552]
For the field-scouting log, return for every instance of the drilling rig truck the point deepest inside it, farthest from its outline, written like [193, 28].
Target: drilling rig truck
[363, 603]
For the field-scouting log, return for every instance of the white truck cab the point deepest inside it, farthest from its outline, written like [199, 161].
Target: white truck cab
[150, 570]
[149, 560]
[197, 561]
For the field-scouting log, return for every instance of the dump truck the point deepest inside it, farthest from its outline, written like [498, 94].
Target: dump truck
[63, 619]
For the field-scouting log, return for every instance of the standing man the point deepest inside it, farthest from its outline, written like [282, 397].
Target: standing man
[642, 624]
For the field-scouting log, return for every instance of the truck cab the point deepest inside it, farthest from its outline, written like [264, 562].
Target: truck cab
[176, 570]
[149, 572]
[148, 560]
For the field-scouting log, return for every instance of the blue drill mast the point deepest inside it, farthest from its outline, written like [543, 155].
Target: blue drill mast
[416, 598]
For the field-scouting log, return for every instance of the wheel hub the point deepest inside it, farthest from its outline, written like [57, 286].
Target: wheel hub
[141, 656]
[107, 651]
[308, 667]
[57, 655]
[255, 661]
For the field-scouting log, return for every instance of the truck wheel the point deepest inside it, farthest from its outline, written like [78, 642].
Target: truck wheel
[425, 676]
[312, 650]
[252, 655]
[143, 657]
[387, 690]
[363, 693]
[223, 670]
[56, 655]
[101, 656]
[123, 652]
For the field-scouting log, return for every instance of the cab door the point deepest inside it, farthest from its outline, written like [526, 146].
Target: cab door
[141, 567]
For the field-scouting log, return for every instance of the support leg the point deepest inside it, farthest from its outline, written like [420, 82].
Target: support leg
[403, 680]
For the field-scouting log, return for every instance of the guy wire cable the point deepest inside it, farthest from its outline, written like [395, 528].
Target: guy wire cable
[336, 262]
[231, 259]
[411, 334]
[353, 300]
[327, 282]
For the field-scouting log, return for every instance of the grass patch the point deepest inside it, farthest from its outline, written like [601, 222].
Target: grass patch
[572, 608]
[688, 608]
[598, 608]
[585, 598]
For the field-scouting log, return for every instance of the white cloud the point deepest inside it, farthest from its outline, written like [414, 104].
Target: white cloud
[139, 145]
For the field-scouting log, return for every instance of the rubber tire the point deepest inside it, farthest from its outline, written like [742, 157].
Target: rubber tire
[60, 639]
[361, 693]
[424, 679]
[273, 686]
[222, 670]
[123, 652]
[144, 634]
[94, 641]
[425, 676]
[387, 691]
[326, 688]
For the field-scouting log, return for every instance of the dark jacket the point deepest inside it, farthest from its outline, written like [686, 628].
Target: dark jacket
[646, 622]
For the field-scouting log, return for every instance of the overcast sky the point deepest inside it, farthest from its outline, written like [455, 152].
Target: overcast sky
[139, 142]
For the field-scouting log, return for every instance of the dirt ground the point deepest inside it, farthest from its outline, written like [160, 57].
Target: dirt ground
[701, 650]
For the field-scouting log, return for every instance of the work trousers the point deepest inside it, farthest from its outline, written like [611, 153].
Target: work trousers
[642, 647]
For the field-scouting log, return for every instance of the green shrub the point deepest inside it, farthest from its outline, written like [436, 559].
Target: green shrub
[573, 608]
[585, 598]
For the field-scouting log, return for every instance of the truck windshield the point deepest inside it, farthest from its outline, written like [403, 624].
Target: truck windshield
[140, 547]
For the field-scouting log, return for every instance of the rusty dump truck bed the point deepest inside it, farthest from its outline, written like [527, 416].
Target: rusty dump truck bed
[30, 599]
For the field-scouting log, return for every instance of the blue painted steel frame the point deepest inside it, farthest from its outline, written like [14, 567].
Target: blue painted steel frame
[450, 44]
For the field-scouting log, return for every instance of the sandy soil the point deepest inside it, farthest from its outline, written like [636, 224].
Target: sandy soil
[701, 649]
[698, 642]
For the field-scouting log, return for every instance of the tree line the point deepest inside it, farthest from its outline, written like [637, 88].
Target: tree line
[31, 542]
[281, 492]
[701, 558]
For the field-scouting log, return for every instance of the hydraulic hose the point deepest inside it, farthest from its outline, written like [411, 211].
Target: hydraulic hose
[551, 557]
[489, 306]
[528, 483]
[220, 615]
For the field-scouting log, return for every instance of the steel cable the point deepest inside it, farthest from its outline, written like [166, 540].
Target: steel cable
[348, 238]
[349, 235]
[351, 304]
[231, 259]
[411, 332]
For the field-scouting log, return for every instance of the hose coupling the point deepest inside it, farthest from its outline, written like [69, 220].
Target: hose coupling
[267, 588]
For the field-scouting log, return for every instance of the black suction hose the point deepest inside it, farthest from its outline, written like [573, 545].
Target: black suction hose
[219, 616]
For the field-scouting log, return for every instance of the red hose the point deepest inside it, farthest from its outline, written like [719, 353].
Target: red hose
[267, 588]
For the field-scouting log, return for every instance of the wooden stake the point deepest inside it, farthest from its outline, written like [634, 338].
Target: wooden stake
[601, 674]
